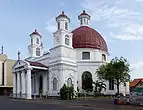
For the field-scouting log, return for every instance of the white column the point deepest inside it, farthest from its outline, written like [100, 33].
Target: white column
[23, 84]
[14, 84]
[29, 84]
[18, 84]
[44, 83]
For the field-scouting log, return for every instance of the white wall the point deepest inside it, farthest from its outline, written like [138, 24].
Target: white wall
[61, 72]
[95, 54]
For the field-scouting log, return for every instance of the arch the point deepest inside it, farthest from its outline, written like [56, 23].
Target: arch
[87, 80]
[85, 55]
[37, 41]
[103, 57]
[69, 82]
[37, 51]
[55, 83]
[66, 39]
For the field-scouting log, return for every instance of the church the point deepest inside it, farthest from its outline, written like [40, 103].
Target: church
[73, 56]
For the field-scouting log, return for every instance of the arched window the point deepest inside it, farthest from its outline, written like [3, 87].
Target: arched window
[37, 41]
[66, 25]
[58, 25]
[103, 57]
[69, 82]
[37, 51]
[55, 84]
[85, 55]
[67, 40]
[87, 81]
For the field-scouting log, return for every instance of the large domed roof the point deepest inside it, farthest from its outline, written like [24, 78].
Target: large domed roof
[86, 37]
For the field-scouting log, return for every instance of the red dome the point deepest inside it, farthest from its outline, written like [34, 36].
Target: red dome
[86, 37]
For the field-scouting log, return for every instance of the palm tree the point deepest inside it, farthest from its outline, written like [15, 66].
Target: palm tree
[99, 86]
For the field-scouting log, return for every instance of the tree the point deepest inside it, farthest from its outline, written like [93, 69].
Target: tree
[117, 69]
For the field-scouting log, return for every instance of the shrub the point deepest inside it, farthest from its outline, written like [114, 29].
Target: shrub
[66, 92]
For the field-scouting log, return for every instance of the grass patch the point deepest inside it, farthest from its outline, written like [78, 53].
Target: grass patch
[93, 97]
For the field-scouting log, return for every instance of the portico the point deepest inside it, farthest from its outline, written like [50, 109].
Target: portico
[28, 78]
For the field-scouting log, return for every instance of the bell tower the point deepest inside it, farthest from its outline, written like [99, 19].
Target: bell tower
[63, 36]
[36, 46]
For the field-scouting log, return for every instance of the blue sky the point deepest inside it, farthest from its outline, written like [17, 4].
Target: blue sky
[118, 21]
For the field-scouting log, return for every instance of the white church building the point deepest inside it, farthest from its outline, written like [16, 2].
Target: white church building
[73, 55]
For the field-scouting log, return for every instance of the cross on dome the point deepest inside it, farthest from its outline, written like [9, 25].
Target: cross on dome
[63, 12]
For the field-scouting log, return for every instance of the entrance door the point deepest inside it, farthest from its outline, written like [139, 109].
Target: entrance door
[40, 84]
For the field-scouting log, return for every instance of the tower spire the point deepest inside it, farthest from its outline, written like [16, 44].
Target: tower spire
[18, 55]
[2, 49]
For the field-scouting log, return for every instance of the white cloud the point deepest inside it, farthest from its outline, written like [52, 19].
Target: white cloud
[118, 17]
[51, 26]
[137, 65]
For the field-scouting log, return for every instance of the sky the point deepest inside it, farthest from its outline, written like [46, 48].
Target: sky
[120, 22]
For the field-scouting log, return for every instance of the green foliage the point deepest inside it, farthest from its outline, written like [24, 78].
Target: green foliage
[117, 69]
[66, 93]
[99, 86]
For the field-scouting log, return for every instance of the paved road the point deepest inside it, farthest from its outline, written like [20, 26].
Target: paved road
[92, 104]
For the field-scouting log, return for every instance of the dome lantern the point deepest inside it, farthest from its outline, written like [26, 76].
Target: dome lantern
[84, 18]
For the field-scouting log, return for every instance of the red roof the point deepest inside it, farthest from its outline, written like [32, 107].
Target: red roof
[83, 13]
[86, 37]
[62, 15]
[136, 81]
[35, 33]
[37, 64]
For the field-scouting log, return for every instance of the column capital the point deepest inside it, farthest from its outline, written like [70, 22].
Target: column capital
[18, 72]
[29, 68]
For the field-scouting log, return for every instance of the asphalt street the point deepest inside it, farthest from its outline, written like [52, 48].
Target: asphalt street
[49, 104]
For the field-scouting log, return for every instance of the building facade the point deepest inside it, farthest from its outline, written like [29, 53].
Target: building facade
[6, 74]
[74, 55]
[137, 85]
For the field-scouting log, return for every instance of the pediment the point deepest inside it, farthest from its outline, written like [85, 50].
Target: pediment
[20, 64]
[139, 84]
